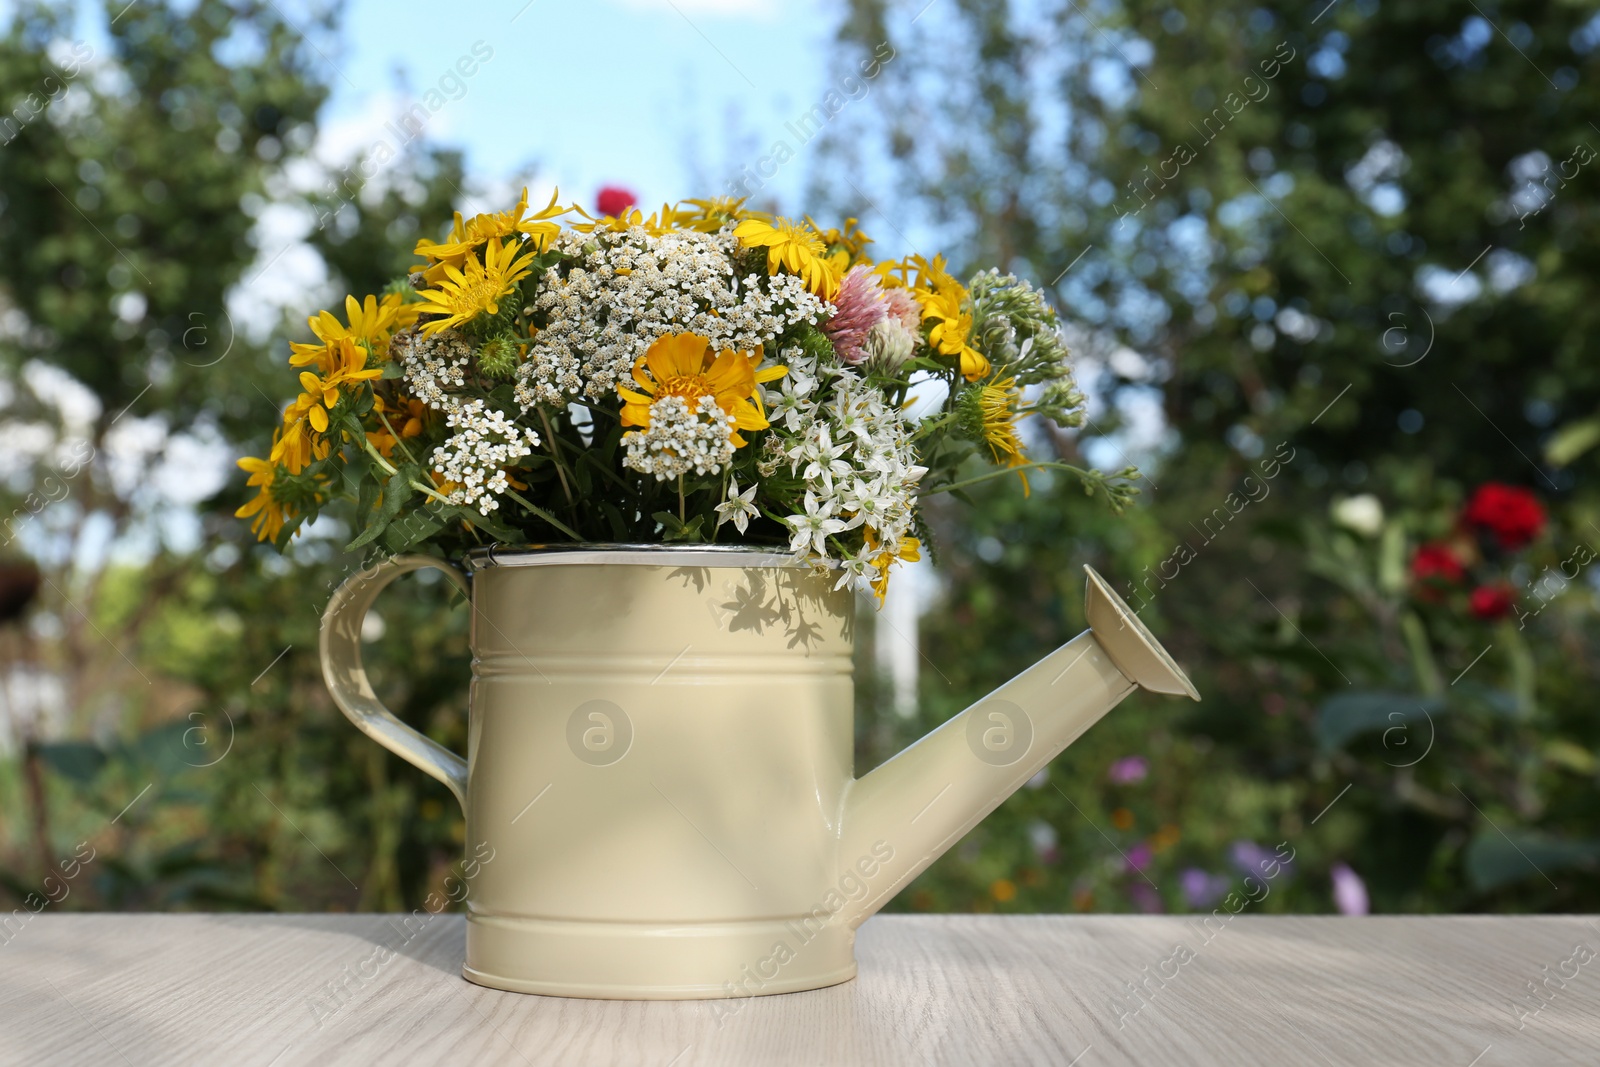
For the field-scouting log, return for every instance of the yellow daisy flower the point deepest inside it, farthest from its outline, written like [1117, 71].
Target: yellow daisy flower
[847, 237]
[295, 447]
[466, 236]
[652, 225]
[683, 365]
[371, 324]
[998, 402]
[795, 248]
[909, 550]
[951, 328]
[349, 369]
[266, 514]
[462, 295]
[943, 300]
[710, 215]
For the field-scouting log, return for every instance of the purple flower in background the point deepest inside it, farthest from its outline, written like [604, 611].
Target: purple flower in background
[1145, 899]
[1128, 770]
[1202, 888]
[1349, 891]
[1259, 862]
[1139, 857]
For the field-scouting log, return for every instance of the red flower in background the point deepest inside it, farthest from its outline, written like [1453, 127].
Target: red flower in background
[1512, 514]
[1436, 562]
[1492, 601]
[613, 200]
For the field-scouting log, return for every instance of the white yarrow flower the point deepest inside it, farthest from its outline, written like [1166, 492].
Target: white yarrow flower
[679, 440]
[476, 456]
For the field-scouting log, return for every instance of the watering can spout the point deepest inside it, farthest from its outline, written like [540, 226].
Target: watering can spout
[906, 813]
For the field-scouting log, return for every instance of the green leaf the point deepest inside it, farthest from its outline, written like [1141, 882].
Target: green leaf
[1573, 757]
[77, 760]
[689, 531]
[1349, 715]
[674, 529]
[1495, 859]
[171, 747]
[541, 513]
[619, 528]
[419, 525]
[396, 491]
[493, 527]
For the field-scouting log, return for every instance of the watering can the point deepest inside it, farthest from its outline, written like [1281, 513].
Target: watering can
[659, 783]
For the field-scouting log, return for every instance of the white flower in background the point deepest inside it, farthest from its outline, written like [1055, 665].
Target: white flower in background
[474, 458]
[1363, 514]
[679, 440]
[812, 528]
[739, 508]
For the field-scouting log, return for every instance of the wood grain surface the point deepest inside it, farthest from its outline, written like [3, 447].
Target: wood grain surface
[259, 990]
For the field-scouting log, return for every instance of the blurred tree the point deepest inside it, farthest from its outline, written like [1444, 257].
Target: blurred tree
[372, 218]
[131, 256]
[183, 672]
[120, 264]
[1332, 233]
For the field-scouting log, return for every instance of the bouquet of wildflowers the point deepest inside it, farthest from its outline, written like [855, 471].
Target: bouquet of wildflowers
[703, 374]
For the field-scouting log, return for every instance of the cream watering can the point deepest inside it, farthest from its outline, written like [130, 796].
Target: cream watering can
[659, 762]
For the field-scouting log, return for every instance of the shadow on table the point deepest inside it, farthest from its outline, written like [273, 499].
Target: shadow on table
[437, 941]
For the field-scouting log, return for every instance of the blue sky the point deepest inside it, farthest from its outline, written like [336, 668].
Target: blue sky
[663, 96]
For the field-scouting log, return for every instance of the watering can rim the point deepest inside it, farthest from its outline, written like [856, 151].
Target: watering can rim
[625, 554]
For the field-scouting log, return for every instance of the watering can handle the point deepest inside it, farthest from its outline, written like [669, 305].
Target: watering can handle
[347, 678]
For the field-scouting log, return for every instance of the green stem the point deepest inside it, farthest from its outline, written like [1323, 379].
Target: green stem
[388, 468]
[1422, 662]
[396, 437]
[428, 490]
[543, 514]
[555, 453]
[1003, 471]
[928, 427]
[718, 525]
[680, 498]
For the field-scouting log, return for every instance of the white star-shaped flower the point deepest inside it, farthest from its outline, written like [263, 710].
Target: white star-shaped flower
[739, 508]
[812, 529]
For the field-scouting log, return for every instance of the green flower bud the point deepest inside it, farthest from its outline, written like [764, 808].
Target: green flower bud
[498, 358]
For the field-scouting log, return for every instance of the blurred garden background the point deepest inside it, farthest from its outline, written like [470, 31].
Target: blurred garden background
[1333, 274]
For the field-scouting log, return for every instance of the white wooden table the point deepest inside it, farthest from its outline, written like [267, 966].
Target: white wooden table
[254, 990]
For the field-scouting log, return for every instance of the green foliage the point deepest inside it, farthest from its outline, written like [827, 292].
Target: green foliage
[203, 765]
[103, 219]
[1366, 232]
